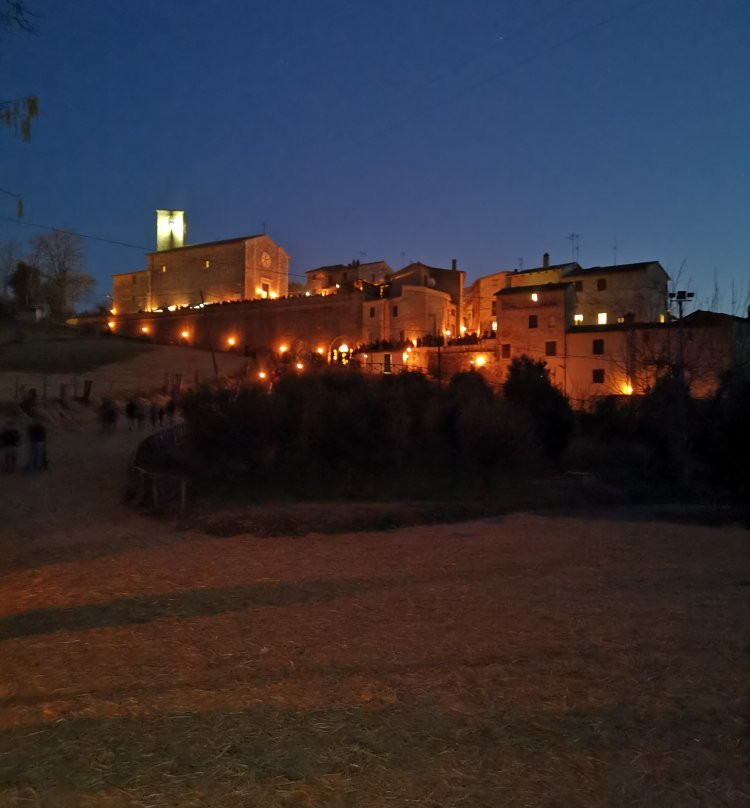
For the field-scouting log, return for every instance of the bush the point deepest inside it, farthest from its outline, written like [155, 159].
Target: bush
[528, 386]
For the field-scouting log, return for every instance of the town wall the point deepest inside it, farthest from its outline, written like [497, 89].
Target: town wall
[301, 324]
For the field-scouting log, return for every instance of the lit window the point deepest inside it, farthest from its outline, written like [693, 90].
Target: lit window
[208, 264]
[164, 268]
[534, 297]
[601, 318]
[577, 318]
[494, 325]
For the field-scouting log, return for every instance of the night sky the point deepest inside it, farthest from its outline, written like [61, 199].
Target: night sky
[482, 130]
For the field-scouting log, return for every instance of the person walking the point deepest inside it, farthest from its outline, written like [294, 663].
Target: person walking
[10, 439]
[37, 435]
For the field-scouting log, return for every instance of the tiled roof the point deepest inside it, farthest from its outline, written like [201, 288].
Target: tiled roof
[641, 265]
[206, 244]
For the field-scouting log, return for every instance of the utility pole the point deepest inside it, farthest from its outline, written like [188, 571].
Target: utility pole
[208, 334]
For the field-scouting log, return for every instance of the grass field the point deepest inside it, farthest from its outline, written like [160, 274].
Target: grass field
[49, 348]
[523, 661]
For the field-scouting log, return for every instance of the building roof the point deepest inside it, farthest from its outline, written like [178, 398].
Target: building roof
[570, 265]
[339, 267]
[599, 270]
[208, 244]
[702, 318]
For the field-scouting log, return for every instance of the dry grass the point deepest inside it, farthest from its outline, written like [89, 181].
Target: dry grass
[510, 661]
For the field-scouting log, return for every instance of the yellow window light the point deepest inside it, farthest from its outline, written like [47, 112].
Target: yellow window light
[534, 297]
[494, 325]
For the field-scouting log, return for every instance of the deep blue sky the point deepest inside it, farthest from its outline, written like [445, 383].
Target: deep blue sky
[482, 130]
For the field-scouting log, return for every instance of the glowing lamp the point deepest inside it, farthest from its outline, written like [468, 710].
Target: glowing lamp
[307, 294]
[144, 329]
[283, 348]
[299, 366]
[113, 311]
[231, 341]
[185, 334]
[404, 356]
[447, 332]
[480, 360]
[462, 329]
[262, 374]
[259, 291]
[628, 389]
[273, 295]
[408, 350]
[320, 351]
[343, 348]
[111, 324]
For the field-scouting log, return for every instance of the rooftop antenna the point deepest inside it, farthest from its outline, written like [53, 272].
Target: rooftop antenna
[520, 263]
[573, 239]
[264, 228]
[614, 250]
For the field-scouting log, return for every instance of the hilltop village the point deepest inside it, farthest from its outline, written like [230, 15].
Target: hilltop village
[602, 330]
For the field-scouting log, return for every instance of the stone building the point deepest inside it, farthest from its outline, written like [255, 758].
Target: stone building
[244, 268]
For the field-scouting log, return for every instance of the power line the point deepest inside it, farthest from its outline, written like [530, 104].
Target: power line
[76, 233]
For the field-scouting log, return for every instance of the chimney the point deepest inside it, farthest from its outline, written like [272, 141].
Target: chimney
[454, 264]
[545, 260]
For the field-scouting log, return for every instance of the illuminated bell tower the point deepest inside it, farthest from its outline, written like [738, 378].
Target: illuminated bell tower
[171, 229]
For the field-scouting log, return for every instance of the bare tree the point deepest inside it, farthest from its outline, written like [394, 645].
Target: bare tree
[18, 113]
[65, 282]
[10, 255]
